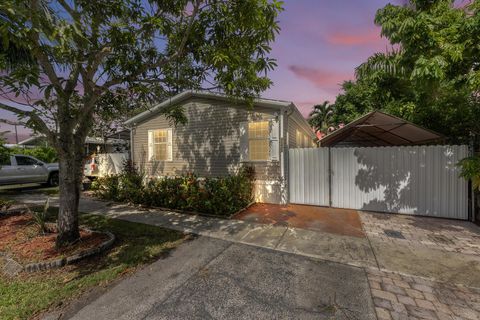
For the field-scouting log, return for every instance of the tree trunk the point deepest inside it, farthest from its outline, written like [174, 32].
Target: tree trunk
[70, 165]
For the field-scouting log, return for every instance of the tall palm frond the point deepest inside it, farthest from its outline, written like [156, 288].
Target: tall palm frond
[389, 63]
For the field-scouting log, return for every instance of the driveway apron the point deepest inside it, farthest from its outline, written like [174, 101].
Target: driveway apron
[202, 280]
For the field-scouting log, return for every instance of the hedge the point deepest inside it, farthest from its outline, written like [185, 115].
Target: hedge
[220, 196]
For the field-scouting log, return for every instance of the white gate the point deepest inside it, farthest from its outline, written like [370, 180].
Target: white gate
[419, 180]
[308, 176]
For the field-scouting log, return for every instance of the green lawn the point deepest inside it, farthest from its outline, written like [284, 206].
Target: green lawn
[29, 294]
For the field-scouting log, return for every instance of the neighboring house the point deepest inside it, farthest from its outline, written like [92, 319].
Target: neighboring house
[115, 143]
[219, 137]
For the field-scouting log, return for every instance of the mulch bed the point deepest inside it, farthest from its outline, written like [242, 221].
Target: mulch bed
[21, 239]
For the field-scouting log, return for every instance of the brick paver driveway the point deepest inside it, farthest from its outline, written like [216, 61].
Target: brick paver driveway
[444, 234]
[397, 296]
[400, 296]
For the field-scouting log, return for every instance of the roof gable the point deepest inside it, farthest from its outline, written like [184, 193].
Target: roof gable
[186, 95]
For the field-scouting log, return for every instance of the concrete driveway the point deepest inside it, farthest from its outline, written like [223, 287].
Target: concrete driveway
[214, 279]
[343, 222]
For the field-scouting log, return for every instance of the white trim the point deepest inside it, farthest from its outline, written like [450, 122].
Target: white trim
[267, 138]
[169, 144]
[274, 139]
[132, 160]
[281, 145]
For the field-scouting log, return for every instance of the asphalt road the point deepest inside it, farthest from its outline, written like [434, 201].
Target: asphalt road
[208, 278]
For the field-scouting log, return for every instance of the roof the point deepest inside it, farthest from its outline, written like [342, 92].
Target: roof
[30, 140]
[94, 140]
[275, 104]
[380, 129]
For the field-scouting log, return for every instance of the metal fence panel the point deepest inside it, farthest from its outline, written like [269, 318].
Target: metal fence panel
[418, 180]
[308, 176]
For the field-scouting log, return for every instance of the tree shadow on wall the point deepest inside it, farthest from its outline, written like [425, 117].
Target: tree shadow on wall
[208, 144]
[403, 176]
[410, 184]
[149, 168]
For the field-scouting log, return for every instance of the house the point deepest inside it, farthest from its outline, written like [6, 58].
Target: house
[116, 143]
[380, 129]
[220, 136]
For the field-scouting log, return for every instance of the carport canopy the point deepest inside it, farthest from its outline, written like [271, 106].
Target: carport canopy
[380, 129]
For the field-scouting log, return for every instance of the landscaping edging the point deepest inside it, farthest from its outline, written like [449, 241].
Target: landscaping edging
[60, 262]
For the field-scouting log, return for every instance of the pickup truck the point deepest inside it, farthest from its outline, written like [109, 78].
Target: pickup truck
[21, 169]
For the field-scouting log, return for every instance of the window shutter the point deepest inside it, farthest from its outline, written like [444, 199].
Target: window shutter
[243, 148]
[150, 145]
[274, 140]
[169, 144]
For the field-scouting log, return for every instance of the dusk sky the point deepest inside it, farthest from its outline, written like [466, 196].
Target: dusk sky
[319, 45]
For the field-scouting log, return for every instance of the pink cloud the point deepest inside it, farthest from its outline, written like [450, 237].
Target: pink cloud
[322, 78]
[349, 39]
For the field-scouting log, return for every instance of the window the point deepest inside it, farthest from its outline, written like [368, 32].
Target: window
[305, 141]
[299, 139]
[160, 145]
[25, 161]
[258, 140]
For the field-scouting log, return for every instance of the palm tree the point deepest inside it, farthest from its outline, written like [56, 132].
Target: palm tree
[321, 117]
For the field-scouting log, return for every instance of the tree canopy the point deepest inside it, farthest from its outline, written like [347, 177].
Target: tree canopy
[80, 55]
[431, 76]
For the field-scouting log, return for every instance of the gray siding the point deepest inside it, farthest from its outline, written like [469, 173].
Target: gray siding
[292, 133]
[208, 145]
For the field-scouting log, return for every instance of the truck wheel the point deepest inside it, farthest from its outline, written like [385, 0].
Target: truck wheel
[53, 179]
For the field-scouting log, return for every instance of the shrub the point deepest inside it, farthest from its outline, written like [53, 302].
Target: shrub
[106, 187]
[125, 187]
[227, 195]
[219, 196]
[470, 169]
[5, 204]
[182, 192]
[40, 217]
[43, 153]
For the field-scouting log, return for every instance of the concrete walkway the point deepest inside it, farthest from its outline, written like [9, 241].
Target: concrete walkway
[352, 251]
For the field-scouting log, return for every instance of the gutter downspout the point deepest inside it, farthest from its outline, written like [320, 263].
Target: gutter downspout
[131, 145]
[285, 172]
